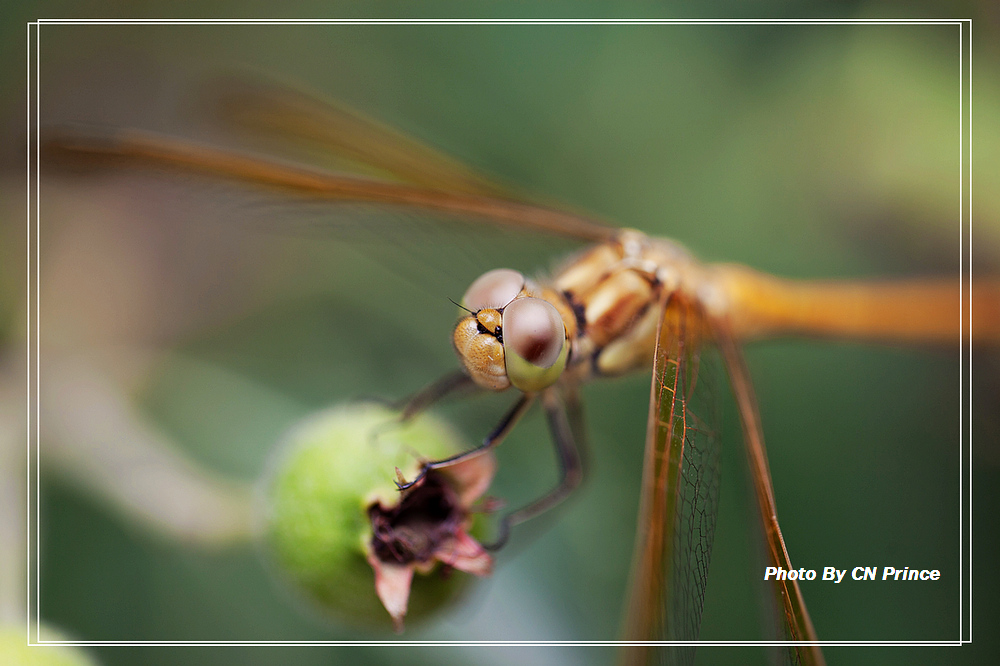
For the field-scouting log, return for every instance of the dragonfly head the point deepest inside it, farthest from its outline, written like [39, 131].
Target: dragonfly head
[509, 337]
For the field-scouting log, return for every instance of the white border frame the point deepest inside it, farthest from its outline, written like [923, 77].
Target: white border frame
[33, 582]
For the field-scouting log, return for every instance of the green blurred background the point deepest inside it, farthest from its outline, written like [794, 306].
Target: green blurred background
[806, 151]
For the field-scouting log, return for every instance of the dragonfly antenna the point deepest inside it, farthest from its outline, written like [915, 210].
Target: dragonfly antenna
[462, 306]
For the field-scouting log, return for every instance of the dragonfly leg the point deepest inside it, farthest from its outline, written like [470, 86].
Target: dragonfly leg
[577, 426]
[453, 382]
[565, 431]
[494, 438]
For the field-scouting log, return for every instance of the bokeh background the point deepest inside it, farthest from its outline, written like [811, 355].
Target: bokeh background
[221, 316]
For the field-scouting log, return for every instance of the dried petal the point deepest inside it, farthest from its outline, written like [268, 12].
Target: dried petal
[427, 525]
[472, 477]
[466, 554]
[392, 585]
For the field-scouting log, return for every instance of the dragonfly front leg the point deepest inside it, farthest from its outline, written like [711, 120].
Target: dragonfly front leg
[565, 431]
[454, 382]
[494, 438]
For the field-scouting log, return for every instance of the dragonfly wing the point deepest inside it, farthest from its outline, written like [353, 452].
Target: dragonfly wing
[265, 108]
[385, 166]
[141, 148]
[795, 620]
[679, 499]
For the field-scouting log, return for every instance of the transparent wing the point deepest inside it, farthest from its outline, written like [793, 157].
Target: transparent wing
[679, 499]
[329, 129]
[146, 148]
[793, 616]
[386, 167]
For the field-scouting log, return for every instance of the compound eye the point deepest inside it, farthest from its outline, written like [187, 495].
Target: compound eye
[534, 342]
[494, 289]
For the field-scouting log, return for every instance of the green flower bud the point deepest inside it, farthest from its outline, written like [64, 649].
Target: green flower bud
[333, 487]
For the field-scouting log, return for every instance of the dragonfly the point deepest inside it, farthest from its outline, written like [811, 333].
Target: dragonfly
[625, 303]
